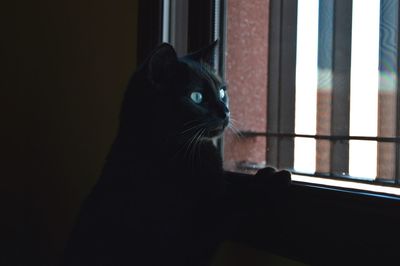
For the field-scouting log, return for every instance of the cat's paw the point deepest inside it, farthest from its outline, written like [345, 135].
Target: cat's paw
[272, 187]
[271, 176]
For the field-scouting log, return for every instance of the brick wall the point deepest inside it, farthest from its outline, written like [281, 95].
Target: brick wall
[386, 128]
[247, 55]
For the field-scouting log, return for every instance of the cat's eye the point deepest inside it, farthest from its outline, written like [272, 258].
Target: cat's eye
[222, 93]
[196, 97]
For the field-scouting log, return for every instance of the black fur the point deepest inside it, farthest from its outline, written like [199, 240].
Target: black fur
[162, 197]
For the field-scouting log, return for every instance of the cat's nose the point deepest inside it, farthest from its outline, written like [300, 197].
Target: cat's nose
[226, 110]
[223, 112]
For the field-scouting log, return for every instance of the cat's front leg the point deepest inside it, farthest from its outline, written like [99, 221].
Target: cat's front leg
[259, 206]
[271, 190]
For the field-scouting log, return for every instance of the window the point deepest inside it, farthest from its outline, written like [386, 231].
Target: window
[325, 106]
[264, 50]
[313, 84]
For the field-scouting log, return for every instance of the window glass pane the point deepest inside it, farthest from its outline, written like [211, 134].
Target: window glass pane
[345, 84]
[246, 74]
[325, 81]
[364, 86]
[306, 84]
[387, 96]
[386, 161]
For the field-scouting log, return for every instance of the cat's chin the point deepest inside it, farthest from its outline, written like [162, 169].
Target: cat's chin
[214, 133]
[210, 139]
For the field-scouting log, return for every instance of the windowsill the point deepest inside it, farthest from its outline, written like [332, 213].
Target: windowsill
[361, 188]
[326, 221]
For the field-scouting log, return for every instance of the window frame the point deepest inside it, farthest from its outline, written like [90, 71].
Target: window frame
[200, 18]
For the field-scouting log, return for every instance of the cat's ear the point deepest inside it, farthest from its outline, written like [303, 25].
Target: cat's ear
[203, 55]
[161, 62]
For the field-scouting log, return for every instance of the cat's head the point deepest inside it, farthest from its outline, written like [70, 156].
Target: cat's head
[187, 91]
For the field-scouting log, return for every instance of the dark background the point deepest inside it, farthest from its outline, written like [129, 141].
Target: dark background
[65, 65]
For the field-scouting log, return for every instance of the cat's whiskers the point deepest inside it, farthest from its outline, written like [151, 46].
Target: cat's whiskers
[191, 122]
[186, 141]
[185, 131]
[196, 148]
[182, 146]
[188, 137]
[233, 120]
[236, 132]
[192, 147]
[189, 144]
[201, 136]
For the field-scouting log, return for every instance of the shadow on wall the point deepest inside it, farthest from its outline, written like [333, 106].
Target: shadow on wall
[66, 66]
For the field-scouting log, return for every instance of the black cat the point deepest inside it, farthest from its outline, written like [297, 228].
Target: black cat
[162, 198]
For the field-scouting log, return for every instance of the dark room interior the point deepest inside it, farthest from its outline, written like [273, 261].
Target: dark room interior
[66, 64]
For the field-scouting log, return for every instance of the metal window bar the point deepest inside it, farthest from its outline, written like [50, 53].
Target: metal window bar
[340, 105]
[332, 138]
[220, 28]
[178, 28]
[166, 12]
[219, 61]
[281, 81]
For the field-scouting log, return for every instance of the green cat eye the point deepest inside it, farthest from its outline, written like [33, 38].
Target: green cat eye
[221, 93]
[196, 97]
